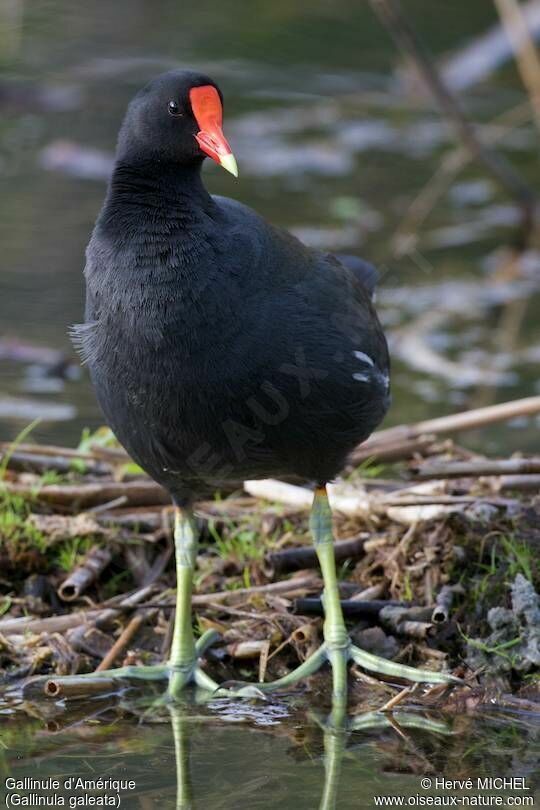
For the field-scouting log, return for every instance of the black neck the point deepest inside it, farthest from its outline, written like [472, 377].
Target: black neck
[164, 189]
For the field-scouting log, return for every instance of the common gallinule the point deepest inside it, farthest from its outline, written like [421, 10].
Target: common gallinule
[222, 349]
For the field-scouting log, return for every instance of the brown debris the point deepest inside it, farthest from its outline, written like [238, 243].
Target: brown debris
[66, 527]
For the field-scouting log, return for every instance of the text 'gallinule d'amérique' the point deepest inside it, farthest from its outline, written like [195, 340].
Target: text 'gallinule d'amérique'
[222, 349]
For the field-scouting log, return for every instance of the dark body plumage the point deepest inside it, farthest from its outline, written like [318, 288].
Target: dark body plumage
[220, 347]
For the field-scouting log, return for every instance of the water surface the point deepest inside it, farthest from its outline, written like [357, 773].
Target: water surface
[227, 755]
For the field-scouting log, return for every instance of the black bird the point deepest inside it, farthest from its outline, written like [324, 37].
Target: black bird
[223, 349]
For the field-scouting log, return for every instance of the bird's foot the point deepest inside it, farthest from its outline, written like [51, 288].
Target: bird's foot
[180, 673]
[110, 681]
[245, 689]
[375, 663]
[339, 657]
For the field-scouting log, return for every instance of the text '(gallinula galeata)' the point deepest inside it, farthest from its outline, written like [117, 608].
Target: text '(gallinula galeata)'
[222, 349]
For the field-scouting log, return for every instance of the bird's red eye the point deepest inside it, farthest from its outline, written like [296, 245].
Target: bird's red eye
[173, 108]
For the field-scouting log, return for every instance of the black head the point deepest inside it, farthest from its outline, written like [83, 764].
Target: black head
[176, 118]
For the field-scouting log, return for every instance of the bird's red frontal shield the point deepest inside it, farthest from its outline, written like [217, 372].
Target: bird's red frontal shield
[208, 112]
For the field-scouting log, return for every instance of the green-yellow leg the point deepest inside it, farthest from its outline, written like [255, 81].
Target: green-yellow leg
[183, 660]
[337, 647]
[182, 667]
[336, 638]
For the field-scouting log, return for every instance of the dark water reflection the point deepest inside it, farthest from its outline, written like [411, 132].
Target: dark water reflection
[326, 145]
[239, 755]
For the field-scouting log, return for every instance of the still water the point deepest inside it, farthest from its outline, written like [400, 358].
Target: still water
[330, 143]
[228, 755]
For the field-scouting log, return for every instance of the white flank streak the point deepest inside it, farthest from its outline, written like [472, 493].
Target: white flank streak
[367, 377]
[365, 358]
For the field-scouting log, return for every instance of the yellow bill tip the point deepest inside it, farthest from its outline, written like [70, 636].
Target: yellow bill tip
[229, 163]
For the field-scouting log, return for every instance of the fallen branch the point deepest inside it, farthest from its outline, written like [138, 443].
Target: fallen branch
[142, 492]
[85, 574]
[287, 586]
[426, 505]
[77, 687]
[58, 624]
[51, 624]
[298, 558]
[453, 423]
[252, 648]
[141, 519]
[399, 617]
[352, 608]
[302, 498]
[477, 467]
[42, 462]
[393, 451]
[45, 450]
[518, 483]
[426, 500]
[411, 620]
[443, 603]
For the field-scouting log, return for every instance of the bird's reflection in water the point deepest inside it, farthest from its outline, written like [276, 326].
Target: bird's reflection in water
[180, 729]
[228, 752]
[336, 730]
